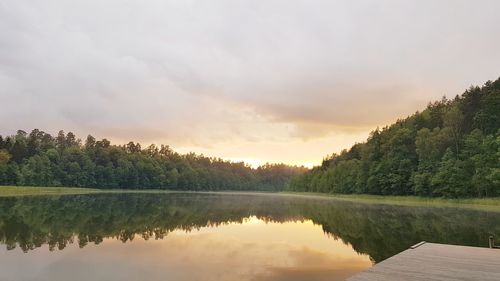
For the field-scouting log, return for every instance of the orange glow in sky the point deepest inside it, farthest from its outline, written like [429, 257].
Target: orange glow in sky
[260, 81]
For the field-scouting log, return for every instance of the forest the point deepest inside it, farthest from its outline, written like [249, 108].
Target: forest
[39, 159]
[450, 149]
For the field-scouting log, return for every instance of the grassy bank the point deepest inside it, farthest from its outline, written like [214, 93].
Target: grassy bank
[476, 203]
[8, 191]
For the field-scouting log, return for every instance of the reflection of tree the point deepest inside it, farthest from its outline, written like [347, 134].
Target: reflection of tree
[377, 230]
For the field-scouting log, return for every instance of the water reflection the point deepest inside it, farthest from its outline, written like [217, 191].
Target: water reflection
[286, 238]
[253, 250]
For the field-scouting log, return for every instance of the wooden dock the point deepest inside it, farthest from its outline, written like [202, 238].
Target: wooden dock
[429, 261]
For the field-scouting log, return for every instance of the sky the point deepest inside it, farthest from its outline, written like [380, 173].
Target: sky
[259, 81]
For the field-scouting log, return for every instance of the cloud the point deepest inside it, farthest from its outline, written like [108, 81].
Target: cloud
[197, 73]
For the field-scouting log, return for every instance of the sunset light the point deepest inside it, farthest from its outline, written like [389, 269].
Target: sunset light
[229, 140]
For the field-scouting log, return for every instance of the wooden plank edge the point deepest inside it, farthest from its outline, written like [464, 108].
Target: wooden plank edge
[417, 245]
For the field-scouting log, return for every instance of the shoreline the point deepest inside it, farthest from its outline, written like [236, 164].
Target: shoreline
[488, 204]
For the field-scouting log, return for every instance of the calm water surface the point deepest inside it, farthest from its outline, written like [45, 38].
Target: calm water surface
[216, 237]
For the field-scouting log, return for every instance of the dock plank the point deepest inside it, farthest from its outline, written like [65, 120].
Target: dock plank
[437, 262]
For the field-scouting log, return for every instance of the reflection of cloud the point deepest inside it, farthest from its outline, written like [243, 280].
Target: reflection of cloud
[314, 264]
[304, 273]
[250, 251]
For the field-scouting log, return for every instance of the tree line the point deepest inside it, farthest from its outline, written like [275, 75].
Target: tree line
[39, 159]
[450, 149]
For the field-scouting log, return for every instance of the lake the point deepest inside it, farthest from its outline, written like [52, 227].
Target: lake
[188, 236]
